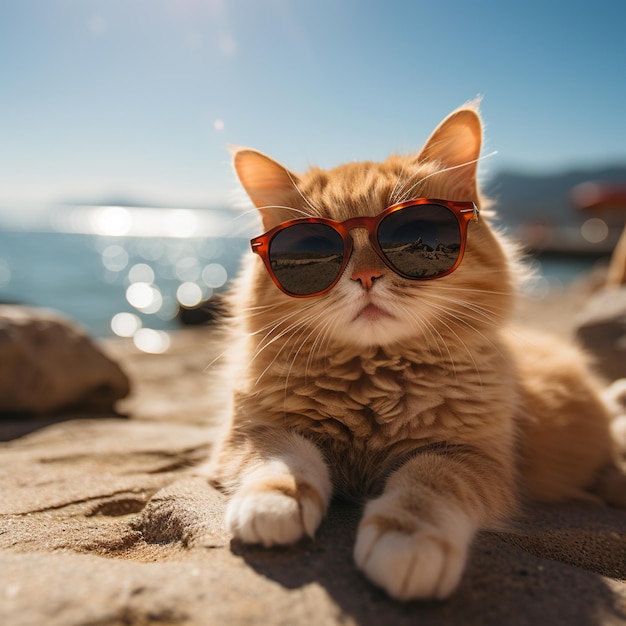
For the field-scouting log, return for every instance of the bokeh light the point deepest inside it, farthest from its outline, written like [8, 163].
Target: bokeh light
[189, 294]
[151, 249]
[214, 275]
[169, 308]
[187, 269]
[594, 230]
[144, 297]
[141, 273]
[125, 324]
[213, 248]
[152, 341]
[115, 258]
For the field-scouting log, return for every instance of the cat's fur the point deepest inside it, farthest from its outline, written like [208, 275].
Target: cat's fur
[426, 403]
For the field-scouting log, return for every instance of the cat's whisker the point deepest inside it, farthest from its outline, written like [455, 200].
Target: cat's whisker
[294, 329]
[219, 357]
[254, 312]
[241, 214]
[297, 344]
[456, 335]
[311, 206]
[308, 323]
[423, 324]
[407, 194]
[319, 332]
[272, 336]
[473, 290]
[454, 318]
[286, 316]
[407, 186]
[322, 339]
[445, 318]
[272, 333]
[276, 323]
[289, 208]
[398, 186]
[487, 315]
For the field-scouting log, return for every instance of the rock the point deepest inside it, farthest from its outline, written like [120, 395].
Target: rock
[47, 364]
[601, 329]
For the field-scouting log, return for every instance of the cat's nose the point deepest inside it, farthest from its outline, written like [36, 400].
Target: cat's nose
[366, 277]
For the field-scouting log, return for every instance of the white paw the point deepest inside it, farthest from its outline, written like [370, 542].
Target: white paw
[272, 517]
[424, 564]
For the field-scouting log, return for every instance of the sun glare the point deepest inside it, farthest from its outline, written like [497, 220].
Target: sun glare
[114, 221]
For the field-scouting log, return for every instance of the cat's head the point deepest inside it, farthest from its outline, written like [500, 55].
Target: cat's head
[371, 305]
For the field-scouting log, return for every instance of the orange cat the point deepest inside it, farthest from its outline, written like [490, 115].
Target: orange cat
[375, 361]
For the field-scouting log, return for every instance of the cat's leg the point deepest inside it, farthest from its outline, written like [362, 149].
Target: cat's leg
[280, 486]
[413, 540]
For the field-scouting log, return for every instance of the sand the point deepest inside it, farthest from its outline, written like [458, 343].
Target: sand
[103, 523]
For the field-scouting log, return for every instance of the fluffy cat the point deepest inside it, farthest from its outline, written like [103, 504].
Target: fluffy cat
[414, 395]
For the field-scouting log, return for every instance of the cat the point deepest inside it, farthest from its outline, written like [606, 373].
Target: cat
[416, 396]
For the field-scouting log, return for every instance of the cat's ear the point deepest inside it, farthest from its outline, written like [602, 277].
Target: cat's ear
[455, 146]
[271, 186]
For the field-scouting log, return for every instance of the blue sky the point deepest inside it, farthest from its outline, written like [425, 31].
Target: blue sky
[142, 97]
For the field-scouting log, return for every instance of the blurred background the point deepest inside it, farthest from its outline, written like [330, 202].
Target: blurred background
[118, 205]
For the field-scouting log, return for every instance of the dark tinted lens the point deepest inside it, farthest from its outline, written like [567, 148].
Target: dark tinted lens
[422, 241]
[306, 258]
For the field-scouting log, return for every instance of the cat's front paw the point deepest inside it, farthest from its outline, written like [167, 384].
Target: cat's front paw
[276, 515]
[416, 561]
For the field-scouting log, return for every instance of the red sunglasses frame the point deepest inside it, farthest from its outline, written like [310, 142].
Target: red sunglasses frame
[463, 211]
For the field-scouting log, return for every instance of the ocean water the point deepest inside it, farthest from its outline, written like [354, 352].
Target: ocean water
[93, 278]
[120, 270]
[125, 271]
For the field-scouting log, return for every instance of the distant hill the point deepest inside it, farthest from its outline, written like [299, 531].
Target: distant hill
[522, 198]
[538, 210]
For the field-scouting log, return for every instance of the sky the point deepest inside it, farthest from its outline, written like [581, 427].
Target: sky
[142, 98]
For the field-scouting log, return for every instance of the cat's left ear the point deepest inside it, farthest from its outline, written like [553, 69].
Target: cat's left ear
[270, 185]
[455, 146]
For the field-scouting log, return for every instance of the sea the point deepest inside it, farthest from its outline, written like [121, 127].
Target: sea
[127, 271]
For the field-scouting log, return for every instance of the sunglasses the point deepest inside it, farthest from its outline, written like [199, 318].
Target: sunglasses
[421, 239]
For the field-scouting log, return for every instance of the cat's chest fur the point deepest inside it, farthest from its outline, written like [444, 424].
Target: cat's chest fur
[378, 399]
[369, 412]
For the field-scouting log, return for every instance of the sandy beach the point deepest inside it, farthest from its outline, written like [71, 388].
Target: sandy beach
[103, 523]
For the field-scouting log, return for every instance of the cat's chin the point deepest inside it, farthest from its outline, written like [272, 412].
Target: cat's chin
[371, 326]
[369, 335]
[372, 313]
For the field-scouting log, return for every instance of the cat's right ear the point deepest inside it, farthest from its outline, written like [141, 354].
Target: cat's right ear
[455, 147]
[272, 187]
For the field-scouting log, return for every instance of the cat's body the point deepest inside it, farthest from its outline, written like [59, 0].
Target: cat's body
[415, 395]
